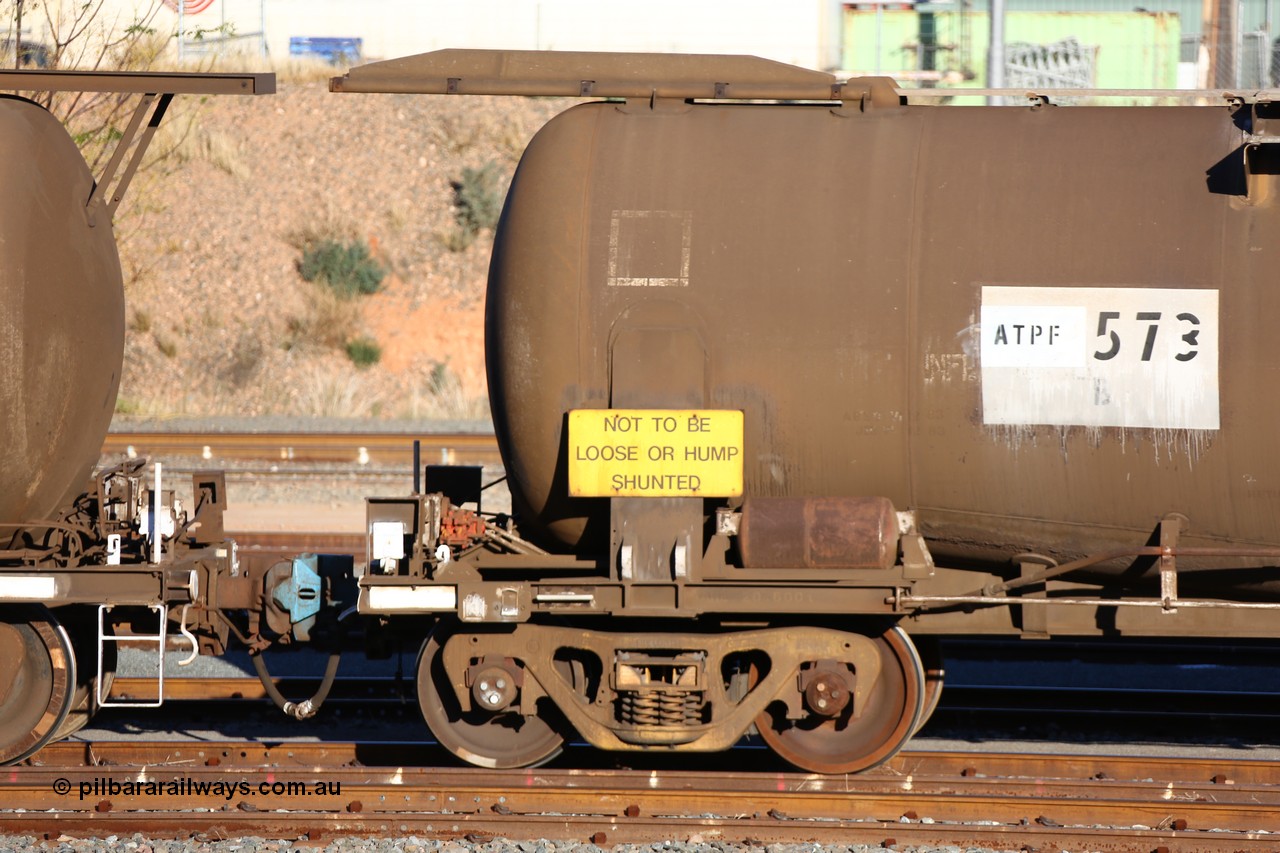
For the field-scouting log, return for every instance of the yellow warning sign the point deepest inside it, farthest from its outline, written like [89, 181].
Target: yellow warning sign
[655, 453]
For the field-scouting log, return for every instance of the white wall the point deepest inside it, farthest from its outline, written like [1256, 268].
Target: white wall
[788, 31]
[801, 32]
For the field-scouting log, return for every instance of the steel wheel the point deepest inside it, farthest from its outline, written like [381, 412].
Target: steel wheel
[498, 739]
[37, 680]
[82, 627]
[934, 676]
[842, 743]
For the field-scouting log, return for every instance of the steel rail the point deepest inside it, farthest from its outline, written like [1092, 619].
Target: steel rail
[357, 448]
[291, 543]
[249, 688]
[1211, 772]
[926, 797]
[1027, 702]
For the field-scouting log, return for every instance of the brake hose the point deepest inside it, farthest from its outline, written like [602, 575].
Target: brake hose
[308, 707]
[297, 710]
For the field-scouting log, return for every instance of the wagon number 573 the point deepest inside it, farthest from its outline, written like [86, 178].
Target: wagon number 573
[1152, 319]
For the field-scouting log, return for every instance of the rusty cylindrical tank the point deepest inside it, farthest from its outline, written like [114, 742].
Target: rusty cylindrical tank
[1043, 328]
[61, 317]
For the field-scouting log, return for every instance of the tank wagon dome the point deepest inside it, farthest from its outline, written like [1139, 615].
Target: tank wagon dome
[61, 316]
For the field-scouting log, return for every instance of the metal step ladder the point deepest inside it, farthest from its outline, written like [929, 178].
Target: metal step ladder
[162, 610]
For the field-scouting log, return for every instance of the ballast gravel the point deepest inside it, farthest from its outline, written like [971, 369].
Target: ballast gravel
[411, 844]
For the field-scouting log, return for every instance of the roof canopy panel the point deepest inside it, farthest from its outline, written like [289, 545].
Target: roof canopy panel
[589, 74]
[141, 82]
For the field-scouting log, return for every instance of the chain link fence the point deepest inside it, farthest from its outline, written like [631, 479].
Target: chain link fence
[1133, 44]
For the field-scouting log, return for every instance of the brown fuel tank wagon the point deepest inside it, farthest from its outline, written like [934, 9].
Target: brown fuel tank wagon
[994, 370]
[69, 542]
[790, 376]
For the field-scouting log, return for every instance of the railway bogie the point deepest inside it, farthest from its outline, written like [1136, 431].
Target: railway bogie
[829, 700]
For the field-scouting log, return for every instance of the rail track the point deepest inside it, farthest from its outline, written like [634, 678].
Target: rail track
[363, 448]
[1026, 801]
[1022, 701]
[288, 543]
[1044, 709]
[341, 466]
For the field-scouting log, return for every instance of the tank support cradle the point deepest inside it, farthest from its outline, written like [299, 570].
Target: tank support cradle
[1165, 554]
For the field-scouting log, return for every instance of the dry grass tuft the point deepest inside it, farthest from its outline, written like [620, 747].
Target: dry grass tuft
[214, 147]
[442, 396]
[330, 320]
[303, 70]
[329, 392]
[326, 221]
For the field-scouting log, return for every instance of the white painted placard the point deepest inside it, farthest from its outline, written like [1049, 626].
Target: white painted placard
[1100, 356]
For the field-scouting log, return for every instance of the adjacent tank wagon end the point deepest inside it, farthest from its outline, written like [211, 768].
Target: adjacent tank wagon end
[73, 547]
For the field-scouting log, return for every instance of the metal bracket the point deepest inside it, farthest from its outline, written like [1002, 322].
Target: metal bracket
[917, 562]
[1170, 529]
[655, 104]
[106, 198]
[1260, 158]
[1263, 122]
[867, 95]
[1035, 620]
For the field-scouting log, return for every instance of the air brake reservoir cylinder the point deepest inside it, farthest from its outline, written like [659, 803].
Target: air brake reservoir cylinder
[818, 533]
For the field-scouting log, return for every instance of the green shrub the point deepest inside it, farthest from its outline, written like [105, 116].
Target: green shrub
[346, 268]
[364, 351]
[477, 202]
